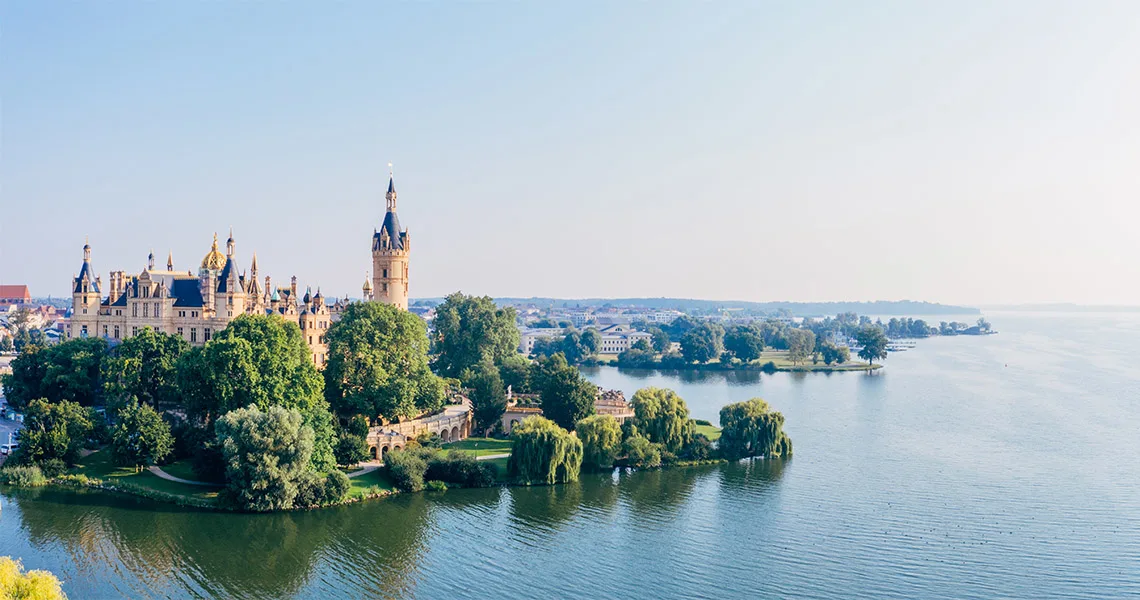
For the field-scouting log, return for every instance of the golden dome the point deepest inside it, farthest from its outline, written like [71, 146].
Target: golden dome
[214, 260]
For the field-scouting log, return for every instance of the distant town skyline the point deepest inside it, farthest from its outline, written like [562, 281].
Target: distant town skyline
[820, 151]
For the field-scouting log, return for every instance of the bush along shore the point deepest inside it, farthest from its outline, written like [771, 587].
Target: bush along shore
[247, 422]
[660, 435]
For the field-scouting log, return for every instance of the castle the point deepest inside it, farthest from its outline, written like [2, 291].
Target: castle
[194, 306]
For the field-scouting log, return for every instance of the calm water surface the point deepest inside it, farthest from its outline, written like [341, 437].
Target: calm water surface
[1005, 466]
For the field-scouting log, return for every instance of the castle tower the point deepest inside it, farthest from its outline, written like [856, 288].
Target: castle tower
[390, 248]
[85, 299]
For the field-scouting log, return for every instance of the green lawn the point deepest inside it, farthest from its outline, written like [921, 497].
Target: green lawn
[710, 431]
[183, 469]
[98, 465]
[481, 446]
[362, 483]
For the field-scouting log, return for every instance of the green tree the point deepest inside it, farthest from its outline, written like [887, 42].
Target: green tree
[488, 396]
[378, 364]
[144, 366]
[66, 371]
[470, 330]
[261, 360]
[267, 456]
[640, 452]
[661, 341]
[6, 344]
[752, 428]
[567, 397]
[217, 378]
[744, 343]
[140, 437]
[873, 341]
[662, 416]
[801, 344]
[54, 430]
[703, 343]
[543, 452]
[833, 354]
[591, 341]
[601, 440]
[350, 449]
[515, 372]
[17, 584]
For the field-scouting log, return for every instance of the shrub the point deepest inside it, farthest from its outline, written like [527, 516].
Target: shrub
[436, 486]
[208, 463]
[350, 449]
[23, 476]
[53, 467]
[640, 452]
[702, 422]
[429, 440]
[336, 487]
[769, 367]
[601, 440]
[700, 448]
[460, 469]
[406, 470]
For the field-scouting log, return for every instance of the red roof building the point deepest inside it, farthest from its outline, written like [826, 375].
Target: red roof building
[15, 294]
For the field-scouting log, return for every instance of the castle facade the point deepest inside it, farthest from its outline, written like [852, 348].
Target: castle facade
[194, 306]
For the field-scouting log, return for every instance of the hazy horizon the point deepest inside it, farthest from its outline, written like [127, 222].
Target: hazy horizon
[961, 154]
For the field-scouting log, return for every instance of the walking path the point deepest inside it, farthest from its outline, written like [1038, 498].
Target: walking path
[169, 477]
[367, 467]
[492, 456]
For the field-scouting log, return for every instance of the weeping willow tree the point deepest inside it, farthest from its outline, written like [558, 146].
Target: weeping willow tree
[543, 452]
[752, 428]
[601, 440]
[664, 418]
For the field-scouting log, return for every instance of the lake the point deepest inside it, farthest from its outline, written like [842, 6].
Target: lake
[970, 467]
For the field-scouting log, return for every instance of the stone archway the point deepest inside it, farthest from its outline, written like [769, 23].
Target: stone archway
[383, 452]
[514, 422]
[372, 451]
[443, 435]
[455, 434]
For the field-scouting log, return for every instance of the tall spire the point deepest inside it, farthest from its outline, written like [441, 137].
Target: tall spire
[170, 260]
[86, 250]
[230, 243]
[391, 195]
[150, 261]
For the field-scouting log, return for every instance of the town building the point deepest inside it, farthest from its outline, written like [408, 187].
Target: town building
[14, 295]
[619, 338]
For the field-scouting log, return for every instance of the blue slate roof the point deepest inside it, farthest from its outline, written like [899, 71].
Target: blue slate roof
[186, 292]
[224, 277]
[88, 274]
[392, 227]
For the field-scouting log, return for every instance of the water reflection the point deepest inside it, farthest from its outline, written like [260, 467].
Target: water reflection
[375, 545]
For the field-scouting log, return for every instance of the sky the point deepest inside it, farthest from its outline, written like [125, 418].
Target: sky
[957, 152]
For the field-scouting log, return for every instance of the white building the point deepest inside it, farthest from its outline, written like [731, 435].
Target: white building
[527, 337]
[619, 338]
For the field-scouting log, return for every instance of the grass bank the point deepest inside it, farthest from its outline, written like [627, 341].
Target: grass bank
[481, 446]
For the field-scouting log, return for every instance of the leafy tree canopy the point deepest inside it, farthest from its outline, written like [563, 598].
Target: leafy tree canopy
[873, 341]
[601, 440]
[663, 417]
[703, 343]
[140, 437]
[144, 366]
[378, 364]
[261, 360]
[745, 343]
[470, 330]
[488, 396]
[752, 428]
[543, 452]
[267, 456]
[66, 371]
[567, 397]
[54, 430]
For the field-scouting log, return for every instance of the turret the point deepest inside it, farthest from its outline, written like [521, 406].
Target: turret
[150, 261]
[391, 246]
[85, 298]
[170, 261]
